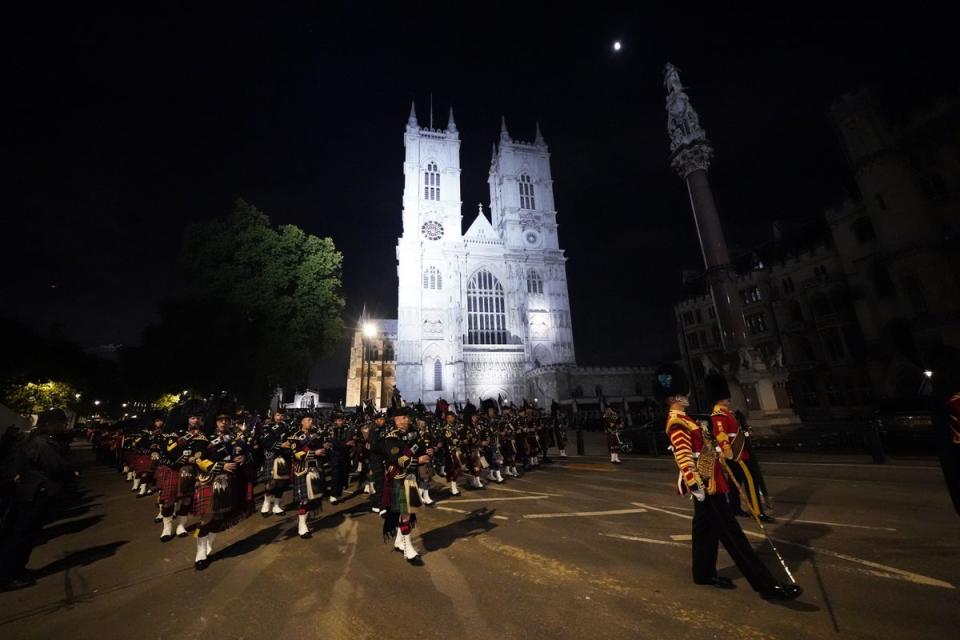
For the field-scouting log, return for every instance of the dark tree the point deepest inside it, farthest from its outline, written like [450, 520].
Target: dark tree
[255, 307]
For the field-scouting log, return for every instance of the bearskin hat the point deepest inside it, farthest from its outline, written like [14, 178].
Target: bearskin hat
[670, 380]
[715, 388]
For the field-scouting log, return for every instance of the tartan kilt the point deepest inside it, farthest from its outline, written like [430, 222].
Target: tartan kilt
[300, 488]
[219, 497]
[613, 441]
[266, 469]
[140, 463]
[202, 500]
[404, 497]
[168, 483]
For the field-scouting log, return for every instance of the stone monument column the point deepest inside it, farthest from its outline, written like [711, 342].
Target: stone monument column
[690, 154]
[751, 381]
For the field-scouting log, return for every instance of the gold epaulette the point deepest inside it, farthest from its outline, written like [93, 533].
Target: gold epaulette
[687, 424]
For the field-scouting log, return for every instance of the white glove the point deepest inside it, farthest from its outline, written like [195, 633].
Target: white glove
[699, 494]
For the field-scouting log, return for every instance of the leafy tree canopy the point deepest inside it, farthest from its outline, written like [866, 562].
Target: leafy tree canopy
[34, 397]
[256, 307]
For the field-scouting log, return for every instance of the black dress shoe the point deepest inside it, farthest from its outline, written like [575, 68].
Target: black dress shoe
[306, 536]
[765, 518]
[718, 581]
[200, 565]
[416, 561]
[166, 538]
[783, 592]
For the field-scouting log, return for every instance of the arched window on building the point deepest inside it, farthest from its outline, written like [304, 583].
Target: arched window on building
[437, 375]
[534, 282]
[431, 182]
[486, 310]
[526, 193]
[432, 279]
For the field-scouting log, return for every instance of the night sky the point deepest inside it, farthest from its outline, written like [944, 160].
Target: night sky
[122, 127]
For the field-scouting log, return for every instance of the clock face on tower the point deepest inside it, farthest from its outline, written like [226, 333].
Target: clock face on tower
[432, 230]
[531, 238]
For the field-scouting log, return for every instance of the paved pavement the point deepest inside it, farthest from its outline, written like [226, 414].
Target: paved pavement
[576, 549]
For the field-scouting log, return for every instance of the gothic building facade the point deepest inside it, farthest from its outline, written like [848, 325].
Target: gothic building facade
[478, 310]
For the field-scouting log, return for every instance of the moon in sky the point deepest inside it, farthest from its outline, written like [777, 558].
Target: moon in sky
[617, 46]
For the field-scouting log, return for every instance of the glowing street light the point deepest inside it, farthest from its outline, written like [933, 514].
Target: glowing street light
[77, 396]
[928, 373]
[369, 329]
[96, 403]
[124, 405]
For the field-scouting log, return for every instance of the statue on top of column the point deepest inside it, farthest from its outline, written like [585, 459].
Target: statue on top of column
[689, 147]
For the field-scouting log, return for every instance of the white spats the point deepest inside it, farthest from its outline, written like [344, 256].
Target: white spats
[453, 488]
[563, 453]
[276, 509]
[302, 529]
[144, 489]
[136, 485]
[181, 526]
[425, 496]
[409, 552]
[267, 503]
[210, 538]
[201, 551]
[398, 541]
[167, 532]
[159, 516]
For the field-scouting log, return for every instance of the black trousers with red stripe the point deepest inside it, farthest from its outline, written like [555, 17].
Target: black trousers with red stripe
[714, 523]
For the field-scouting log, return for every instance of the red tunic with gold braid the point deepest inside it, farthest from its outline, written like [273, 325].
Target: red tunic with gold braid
[725, 429]
[687, 441]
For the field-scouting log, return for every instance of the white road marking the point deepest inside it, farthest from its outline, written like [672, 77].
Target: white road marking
[614, 512]
[889, 572]
[668, 459]
[681, 536]
[667, 511]
[839, 524]
[459, 501]
[852, 464]
[452, 509]
[500, 518]
[832, 524]
[539, 493]
[638, 539]
[885, 571]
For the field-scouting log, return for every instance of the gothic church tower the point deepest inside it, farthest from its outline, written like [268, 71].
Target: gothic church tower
[478, 310]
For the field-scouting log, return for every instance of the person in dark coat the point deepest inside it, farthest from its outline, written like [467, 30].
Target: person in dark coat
[40, 474]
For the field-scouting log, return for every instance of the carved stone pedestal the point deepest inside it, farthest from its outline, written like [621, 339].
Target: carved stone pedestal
[761, 393]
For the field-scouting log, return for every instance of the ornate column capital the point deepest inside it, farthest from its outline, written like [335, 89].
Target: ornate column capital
[687, 160]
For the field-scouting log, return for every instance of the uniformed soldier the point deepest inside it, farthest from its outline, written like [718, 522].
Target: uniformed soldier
[725, 421]
[400, 498]
[701, 476]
